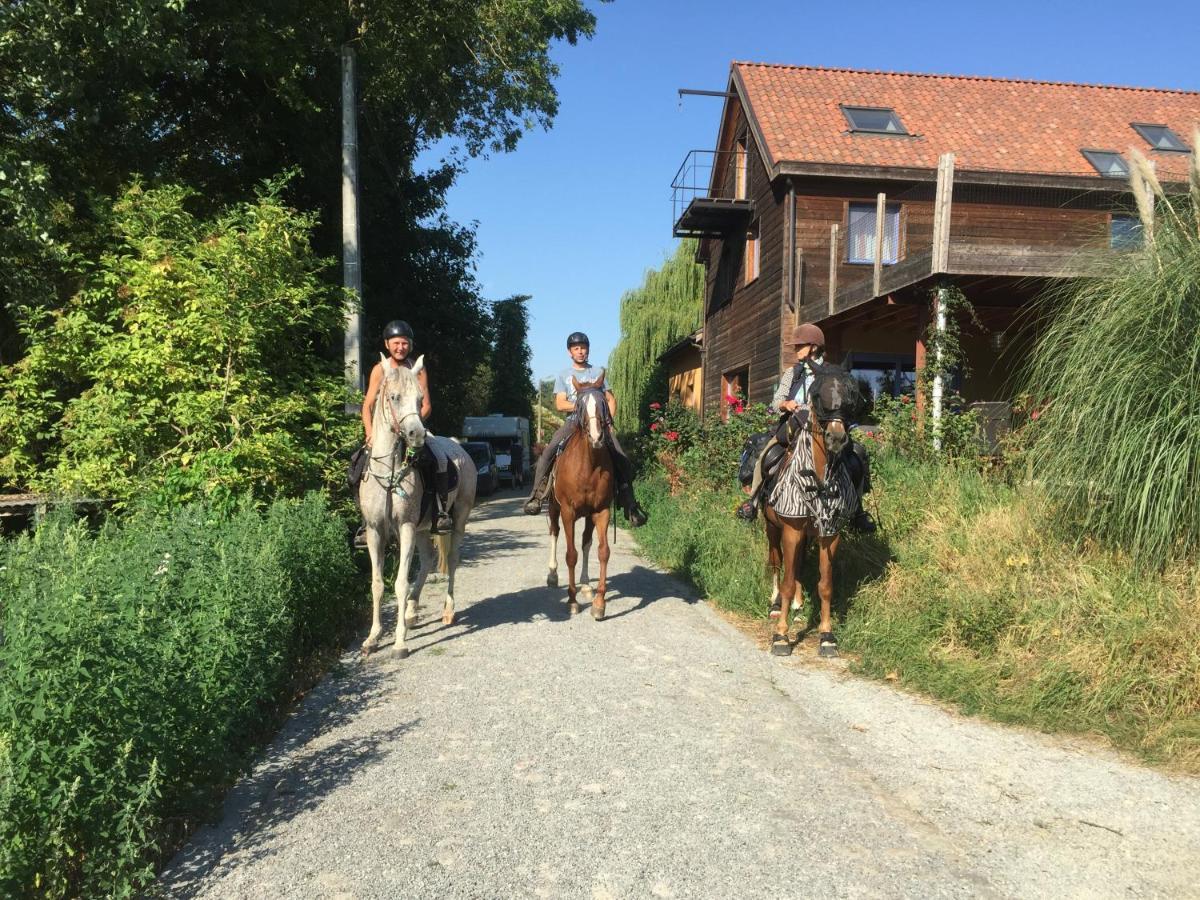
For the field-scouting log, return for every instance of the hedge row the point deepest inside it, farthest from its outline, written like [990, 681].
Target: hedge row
[139, 667]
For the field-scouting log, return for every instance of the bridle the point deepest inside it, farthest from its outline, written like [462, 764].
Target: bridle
[400, 452]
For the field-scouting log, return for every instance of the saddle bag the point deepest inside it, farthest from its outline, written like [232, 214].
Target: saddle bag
[751, 451]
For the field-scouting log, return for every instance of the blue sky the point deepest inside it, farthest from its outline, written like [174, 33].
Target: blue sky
[577, 214]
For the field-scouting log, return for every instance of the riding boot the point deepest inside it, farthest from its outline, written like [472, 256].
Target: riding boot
[634, 514]
[747, 510]
[442, 521]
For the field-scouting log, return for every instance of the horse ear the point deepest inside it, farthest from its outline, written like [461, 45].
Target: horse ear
[383, 360]
[600, 380]
[419, 364]
[575, 381]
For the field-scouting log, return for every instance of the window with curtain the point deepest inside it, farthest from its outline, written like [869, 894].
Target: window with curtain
[860, 243]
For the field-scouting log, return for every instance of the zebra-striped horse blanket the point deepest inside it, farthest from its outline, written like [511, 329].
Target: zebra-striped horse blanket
[798, 494]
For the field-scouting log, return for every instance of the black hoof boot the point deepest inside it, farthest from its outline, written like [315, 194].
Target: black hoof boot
[780, 645]
[863, 523]
[776, 608]
[827, 646]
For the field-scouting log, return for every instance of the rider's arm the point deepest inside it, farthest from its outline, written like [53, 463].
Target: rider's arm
[612, 403]
[368, 407]
[562, 404]
[426, 403]
[781, 393]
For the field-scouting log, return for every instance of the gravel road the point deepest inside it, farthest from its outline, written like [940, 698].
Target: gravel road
[661, 753]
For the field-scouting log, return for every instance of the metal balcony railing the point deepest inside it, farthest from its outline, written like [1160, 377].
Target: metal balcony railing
[709, 193]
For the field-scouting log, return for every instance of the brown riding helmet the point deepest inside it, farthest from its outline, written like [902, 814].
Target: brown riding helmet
[807, 333]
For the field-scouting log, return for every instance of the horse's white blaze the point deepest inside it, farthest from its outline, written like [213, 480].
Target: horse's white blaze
[593, 419]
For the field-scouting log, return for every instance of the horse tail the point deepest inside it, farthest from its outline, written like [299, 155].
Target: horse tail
[443, 549]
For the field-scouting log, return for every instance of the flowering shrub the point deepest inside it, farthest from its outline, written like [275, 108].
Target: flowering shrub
[703, 454]
[906, 430]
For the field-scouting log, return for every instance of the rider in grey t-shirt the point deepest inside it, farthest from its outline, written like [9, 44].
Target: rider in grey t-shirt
[564, 399]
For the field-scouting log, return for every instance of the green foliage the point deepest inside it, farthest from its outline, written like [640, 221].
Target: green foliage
[188, 363]
[140, 666]
[512, 390]
[1118, 366]
[665, 308]
[702, 454]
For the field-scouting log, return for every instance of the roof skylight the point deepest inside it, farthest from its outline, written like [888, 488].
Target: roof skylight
[1107, 162]
[874, 119]
[1160, 137]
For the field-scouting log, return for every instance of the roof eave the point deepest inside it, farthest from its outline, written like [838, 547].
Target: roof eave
[964, 176]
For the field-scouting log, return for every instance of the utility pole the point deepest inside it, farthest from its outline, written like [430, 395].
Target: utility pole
[351, 263]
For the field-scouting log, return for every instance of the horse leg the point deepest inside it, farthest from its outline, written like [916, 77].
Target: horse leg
[426, 562]
[775, 566]
[403, 609]
[585, 549]
[452, 567]
[600, 521]
[827, 646]
[568, 521]
[552, 563]
[378, 554]
[780, 645]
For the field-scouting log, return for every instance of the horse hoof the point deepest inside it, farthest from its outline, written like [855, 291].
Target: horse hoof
[586, 590]
[552, 579]
[402, 653]
[410, 621]
[828, 646]
[781, 646]
[598, 611]
[573, 608]
[448, 618]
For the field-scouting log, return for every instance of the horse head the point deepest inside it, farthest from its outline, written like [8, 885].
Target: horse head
[399, 407]
[591, 409]
[836, 402]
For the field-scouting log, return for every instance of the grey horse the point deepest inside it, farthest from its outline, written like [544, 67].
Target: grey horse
[390, 496]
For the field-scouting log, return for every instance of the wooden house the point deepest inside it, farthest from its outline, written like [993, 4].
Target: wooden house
[844, 197]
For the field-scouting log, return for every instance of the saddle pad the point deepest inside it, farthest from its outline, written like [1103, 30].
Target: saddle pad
[797, 493]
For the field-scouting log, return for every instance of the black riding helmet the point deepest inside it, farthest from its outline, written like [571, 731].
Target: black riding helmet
[397, 328]
[577, 337]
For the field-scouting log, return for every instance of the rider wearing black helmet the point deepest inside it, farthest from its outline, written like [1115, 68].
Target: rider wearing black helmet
[580, 369]
[398, 341]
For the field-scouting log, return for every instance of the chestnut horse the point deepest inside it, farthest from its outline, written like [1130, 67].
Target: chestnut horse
[583, 488]
[834, 400]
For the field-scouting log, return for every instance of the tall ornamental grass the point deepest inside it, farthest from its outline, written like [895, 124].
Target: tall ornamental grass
[1117, 444]
[139, 667]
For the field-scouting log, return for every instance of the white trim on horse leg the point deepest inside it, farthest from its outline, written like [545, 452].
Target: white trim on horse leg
[552, 562]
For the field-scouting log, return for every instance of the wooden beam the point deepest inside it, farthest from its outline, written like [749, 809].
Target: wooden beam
[799, 287]
[941, 213]
[880, 215]
[833, 264]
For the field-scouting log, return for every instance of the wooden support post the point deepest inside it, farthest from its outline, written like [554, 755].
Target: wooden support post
[922, 324]
[798, 292]
[941, 213]
[833, 265]
[880, 210]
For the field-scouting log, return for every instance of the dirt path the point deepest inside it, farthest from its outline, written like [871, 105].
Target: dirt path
[661, 754]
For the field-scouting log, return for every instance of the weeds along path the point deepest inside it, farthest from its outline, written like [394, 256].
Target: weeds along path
[660, 753]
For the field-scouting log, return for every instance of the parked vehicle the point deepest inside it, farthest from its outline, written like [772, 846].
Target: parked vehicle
[509, 437]
[484, 457]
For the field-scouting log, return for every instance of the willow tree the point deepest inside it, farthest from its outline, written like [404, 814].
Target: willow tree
[1117, 444]
[665, 308]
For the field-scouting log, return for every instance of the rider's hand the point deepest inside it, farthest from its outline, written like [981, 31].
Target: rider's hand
[789, 405]
[368, 441]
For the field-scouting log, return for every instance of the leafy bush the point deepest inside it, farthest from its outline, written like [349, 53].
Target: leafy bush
[907, 430]
[188, 363]
[139, 667]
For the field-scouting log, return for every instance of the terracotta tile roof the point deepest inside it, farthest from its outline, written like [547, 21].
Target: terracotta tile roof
[989, 123]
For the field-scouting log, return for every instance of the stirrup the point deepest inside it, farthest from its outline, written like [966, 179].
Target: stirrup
[747, 511]
[443, 523]
[532, 506]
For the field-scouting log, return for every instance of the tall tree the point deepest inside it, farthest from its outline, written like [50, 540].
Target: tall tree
[512, 389]
[665, 308]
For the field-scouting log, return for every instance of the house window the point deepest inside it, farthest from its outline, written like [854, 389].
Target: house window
[734, 385]
[882, 374]
[1124, 232]
[873, 119]
[1160, 137]
[739, 170]
[751, 263]
[1107, 163]
[860, 243]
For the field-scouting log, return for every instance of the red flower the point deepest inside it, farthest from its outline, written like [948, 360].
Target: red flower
[654, 426]
[904, 398]
[672, 435]
[656, 406]
[1034, 415]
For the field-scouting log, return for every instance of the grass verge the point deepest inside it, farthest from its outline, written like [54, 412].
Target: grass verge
[970, 595]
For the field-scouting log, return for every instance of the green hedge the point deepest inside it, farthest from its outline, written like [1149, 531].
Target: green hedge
[140, 665]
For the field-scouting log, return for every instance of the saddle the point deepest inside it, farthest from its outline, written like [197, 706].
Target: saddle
[426, 467]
